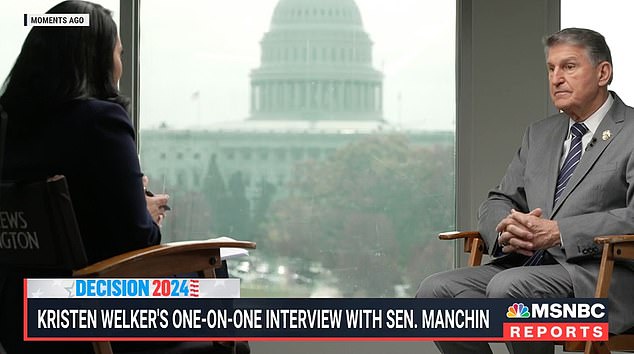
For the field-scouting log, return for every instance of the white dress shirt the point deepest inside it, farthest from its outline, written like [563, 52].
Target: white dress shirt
[592, 123]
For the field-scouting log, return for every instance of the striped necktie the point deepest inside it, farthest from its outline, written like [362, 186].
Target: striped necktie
[578, 130]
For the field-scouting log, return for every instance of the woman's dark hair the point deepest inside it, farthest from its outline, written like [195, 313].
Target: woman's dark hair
[59, 64]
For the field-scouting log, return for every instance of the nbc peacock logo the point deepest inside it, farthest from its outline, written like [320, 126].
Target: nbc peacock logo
[518, 311]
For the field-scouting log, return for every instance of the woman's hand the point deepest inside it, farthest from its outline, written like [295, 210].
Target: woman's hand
[156, 203]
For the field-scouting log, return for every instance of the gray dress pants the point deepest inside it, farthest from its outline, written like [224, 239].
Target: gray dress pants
[496, 281]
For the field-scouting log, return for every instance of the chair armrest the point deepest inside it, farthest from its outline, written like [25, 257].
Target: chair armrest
[614, 239]
[618, 247]
[455, 235]
[162, 260]
[473, 243]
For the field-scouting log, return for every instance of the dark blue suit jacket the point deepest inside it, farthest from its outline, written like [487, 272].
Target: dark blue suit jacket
[91, 142]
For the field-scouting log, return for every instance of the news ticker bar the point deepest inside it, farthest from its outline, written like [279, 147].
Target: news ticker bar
[85, 318]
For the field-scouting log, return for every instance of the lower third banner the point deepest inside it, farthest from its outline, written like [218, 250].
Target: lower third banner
[128, 317]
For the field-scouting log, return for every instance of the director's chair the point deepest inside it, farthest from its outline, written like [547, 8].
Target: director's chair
[47, 207]
[615, 248]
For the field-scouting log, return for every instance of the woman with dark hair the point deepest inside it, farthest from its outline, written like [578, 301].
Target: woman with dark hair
[66, 117]
[60, 64]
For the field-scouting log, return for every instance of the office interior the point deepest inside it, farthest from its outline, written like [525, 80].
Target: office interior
[501, 87]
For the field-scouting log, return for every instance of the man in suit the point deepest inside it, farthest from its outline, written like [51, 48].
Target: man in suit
[571, 180]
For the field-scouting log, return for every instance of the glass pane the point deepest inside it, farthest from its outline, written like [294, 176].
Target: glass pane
[322, 130]
[616, 28]
[14, 32]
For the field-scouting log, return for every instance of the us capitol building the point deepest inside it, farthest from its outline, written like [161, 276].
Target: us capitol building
[314, 92]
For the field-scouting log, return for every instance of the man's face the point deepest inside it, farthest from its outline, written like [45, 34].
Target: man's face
[576, 86]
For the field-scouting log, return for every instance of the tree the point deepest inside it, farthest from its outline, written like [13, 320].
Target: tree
[215, 192]
[230, 210]
[367, 211]
[235, 213]
[262, 203]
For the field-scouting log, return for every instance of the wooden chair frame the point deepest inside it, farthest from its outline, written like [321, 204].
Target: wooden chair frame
[201, 257]
[615, 247]
[50, 204]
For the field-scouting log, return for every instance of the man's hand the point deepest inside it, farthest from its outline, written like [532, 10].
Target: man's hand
[513, 234]
[525, 233]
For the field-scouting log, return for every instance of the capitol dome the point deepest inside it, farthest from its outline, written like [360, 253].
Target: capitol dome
[316, 64]
[319, 12]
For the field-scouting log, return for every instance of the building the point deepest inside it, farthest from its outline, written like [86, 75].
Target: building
[316, 64]
[315, 91]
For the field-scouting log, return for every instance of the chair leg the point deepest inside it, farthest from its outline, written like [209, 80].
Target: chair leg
[596, 348]
[476, 249]
[603, 284]
[573, 346]
[102, 347]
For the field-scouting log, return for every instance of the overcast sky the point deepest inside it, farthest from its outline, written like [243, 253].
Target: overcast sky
[210, 46]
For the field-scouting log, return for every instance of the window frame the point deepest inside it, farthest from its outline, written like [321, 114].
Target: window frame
[129, 84]
[469, 189]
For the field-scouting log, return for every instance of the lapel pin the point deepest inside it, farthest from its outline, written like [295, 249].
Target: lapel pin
[606, 135]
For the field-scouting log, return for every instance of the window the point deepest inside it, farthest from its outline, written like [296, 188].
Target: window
[616, 29]
[345, 184]
[246, 154]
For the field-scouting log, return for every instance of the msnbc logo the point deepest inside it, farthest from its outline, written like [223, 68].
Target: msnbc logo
[518, 311]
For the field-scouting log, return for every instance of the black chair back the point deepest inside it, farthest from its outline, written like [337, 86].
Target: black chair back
[38, 229]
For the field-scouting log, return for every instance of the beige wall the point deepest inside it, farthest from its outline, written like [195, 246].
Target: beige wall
[501, 88]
